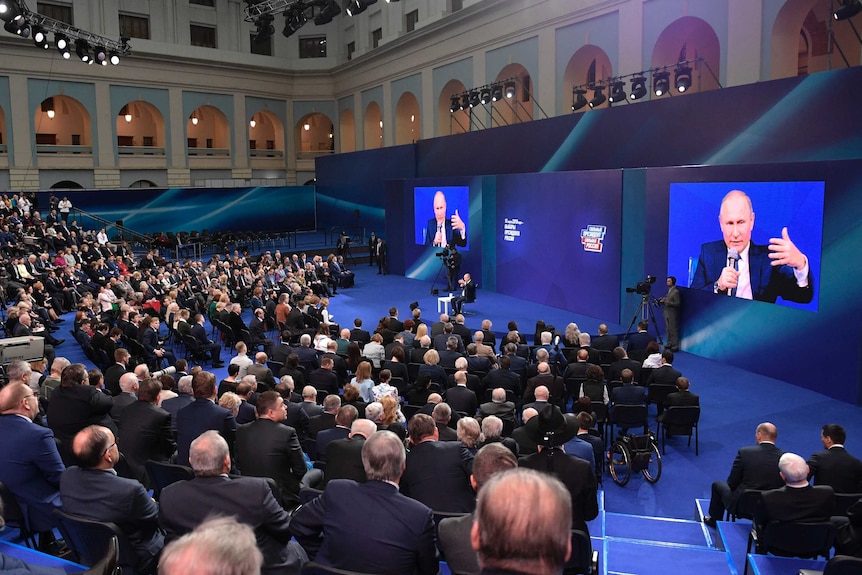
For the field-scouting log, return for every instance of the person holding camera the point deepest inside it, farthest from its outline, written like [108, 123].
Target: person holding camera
[453, 267]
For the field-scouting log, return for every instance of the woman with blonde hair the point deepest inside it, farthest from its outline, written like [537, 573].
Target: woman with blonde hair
[231, 402]
[363, 381]
[392, 419]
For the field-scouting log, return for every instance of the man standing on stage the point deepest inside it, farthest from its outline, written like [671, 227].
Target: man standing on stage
[453, 268]
[671, 303]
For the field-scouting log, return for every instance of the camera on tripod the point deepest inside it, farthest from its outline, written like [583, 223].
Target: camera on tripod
[444, 253]
[642, 288]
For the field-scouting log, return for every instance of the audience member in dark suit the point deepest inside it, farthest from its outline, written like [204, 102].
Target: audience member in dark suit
[145, 431]
[324, 379]
[522, 520]
[503, 377]
[296, 416]
[344, 456]
[454, 532]
[755, 467]
[370, 527]
[309, 402]
[186, 504]
[307, 356]
[542, 398]
[128, 395]
[184, 397]
[553, 385]
[75, 405]
[202, 415]
[585, 424]
[267, 448]
[113, 373]
[622, 362]
[326, 419]
[344, 418]
[358, 334]
[550, 429]
[835, 466]
[666, 374]
[30, 465]
[95, 491]
[442, 416]
[638, 341]
[628, 393]
[437, 472]
[605, 341]
[797, 500]
[199, 332]
[150, 340]
[461, 398]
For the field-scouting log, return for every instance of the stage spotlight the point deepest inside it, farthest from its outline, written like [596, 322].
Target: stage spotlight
[101, 55]
[485, 95]
[327, 13]
[293, 21]
[114, 58]
[496, 93]
[82, 50]
[465, 101]
[391, 1]
[454, 103]
[682, 78]
[598, 97]
[356, 7]
[579, 99]
[509, 90]
[263, 28]
[660, 83]
[848, 10]
[40, 38]
[474, 98]
[638, 88]
[62, 46]
[9, 9]
[618, 92]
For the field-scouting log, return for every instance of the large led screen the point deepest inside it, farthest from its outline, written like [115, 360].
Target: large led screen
[558, 240]
[751, 240]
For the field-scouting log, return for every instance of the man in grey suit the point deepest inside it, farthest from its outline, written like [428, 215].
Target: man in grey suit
[671, 301]
[454, 532]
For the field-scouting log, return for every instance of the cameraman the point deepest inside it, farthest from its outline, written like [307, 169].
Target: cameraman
[453, 267]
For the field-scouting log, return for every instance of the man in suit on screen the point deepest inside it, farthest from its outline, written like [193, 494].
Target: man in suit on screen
[442, 231]
[737, 267]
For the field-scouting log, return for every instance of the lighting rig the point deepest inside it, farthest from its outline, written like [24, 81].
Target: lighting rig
[89, 47]
[296, 14]
[661, 84]
[484, 96]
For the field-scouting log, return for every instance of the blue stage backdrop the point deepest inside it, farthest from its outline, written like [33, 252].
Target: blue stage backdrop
[558, 239]
[149, 210]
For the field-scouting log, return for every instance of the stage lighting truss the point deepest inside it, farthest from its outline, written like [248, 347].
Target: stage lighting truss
[615, 87]
[21, 21]
[501, 91]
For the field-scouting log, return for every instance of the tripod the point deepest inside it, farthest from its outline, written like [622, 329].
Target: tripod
[443, 269]
[645, 311]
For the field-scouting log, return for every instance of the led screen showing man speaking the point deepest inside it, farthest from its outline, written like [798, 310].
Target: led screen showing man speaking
[440, 215]
[749, 240]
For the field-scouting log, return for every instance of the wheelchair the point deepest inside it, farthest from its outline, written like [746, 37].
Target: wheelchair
[634, 453]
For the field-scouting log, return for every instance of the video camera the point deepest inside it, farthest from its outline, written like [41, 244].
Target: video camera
[642, 288]
[444, 253]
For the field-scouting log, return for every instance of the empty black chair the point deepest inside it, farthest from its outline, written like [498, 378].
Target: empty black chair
[15, 516]
[679, 420]
[792, 539]
[583, 559]
[163, 474]
[746, 505]
[843, 565]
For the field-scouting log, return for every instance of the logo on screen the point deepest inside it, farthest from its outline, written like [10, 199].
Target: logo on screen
[592, 237]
